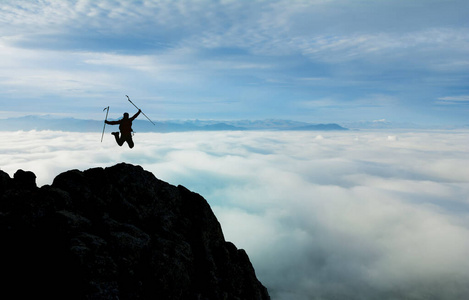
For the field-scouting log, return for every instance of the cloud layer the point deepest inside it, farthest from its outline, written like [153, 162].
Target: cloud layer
[346, 215]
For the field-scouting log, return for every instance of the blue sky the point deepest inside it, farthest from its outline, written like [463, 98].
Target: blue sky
[315, 61]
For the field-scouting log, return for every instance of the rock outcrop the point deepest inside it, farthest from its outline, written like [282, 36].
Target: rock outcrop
[115, 233]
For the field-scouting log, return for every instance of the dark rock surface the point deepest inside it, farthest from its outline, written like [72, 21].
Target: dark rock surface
[115, 233]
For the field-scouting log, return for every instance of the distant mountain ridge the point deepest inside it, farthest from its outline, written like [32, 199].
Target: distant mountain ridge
[27, 123]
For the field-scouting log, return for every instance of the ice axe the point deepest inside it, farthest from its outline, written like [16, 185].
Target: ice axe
[140, 110]
[106, 108]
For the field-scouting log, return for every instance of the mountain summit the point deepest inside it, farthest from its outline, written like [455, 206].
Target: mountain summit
[116, 233]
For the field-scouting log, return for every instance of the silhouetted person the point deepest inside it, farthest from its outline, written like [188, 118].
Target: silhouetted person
[125, 127]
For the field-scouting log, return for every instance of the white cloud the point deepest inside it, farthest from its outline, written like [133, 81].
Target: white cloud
[344, 215]
[33, 73]
[247, 51]
[423, 46]
[454, 99]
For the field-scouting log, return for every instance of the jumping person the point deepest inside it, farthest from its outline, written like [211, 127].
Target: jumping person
[125, 128]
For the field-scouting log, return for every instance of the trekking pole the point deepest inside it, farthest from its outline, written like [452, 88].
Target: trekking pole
[107, 108]
[140, 110]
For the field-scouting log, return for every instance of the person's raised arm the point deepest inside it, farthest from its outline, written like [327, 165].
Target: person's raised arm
[136, 115]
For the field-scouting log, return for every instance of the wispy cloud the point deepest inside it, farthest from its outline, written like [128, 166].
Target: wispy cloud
[454, 99]
[191, 50]
[349, 215]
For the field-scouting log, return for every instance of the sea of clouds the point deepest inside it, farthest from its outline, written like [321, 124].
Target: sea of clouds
[322, 215]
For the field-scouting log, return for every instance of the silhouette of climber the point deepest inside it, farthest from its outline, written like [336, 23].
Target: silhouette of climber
[125, 127]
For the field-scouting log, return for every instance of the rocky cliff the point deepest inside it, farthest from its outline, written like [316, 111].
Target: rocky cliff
[115, 233]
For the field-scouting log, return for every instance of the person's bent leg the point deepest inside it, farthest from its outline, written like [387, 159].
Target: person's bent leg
[119, 140]
[129, 141]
